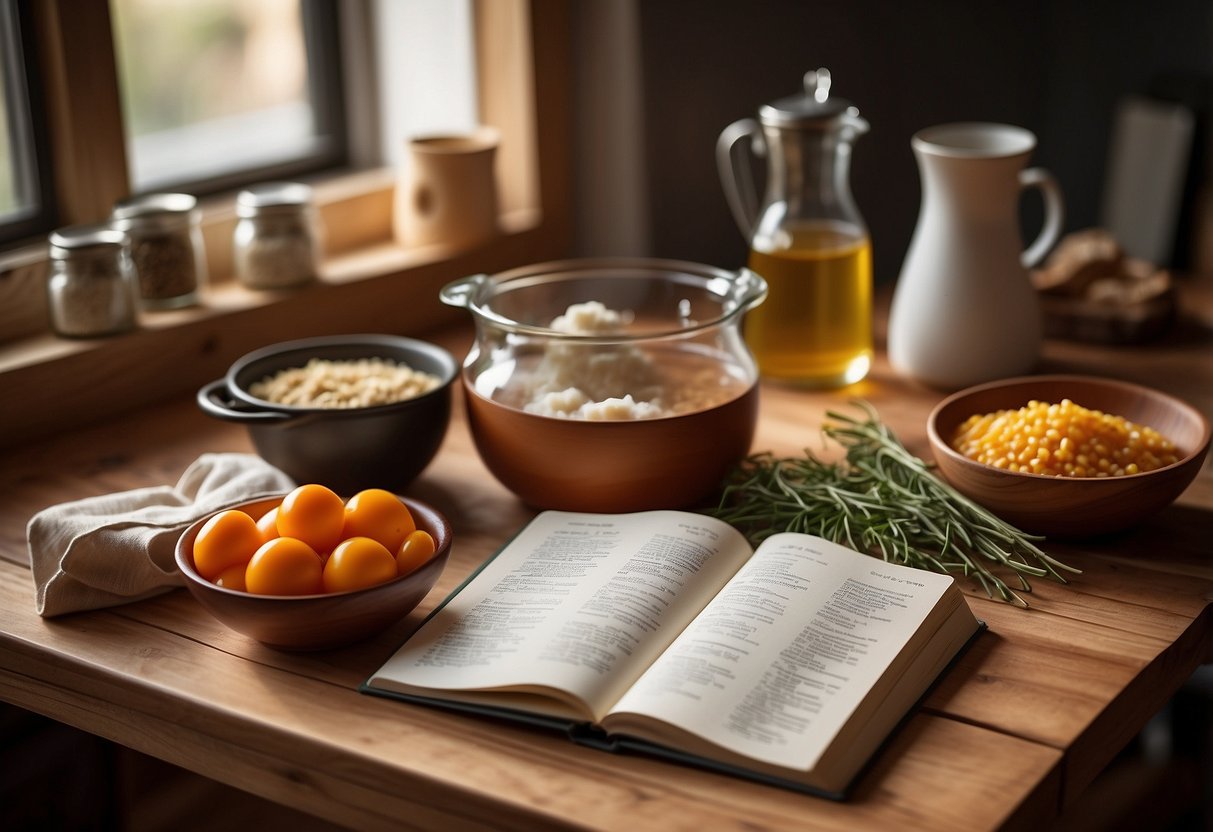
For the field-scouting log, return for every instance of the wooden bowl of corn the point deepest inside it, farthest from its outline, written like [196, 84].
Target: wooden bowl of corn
[1068, 456]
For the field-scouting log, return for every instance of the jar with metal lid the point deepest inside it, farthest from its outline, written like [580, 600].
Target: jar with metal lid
[806, 236]
[276, 244]
[92, 285]
[166, 246]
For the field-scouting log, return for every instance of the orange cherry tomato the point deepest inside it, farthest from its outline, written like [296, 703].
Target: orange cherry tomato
[379, 515]
[233, 577]
[313, 514]
[415, 552]
[268, 525]
[357, 563]
[285, 566]
[227, 539]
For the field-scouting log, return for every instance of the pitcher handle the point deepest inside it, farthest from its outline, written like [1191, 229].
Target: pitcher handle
[737, 180]
[1054, 214]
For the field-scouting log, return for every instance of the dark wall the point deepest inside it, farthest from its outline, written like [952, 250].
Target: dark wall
[1057, 68]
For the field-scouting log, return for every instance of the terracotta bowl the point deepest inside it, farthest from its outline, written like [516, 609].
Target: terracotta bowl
[1069, 507]
[317, 622]
[636, 465]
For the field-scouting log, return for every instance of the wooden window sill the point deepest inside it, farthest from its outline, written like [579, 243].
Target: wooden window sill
[52, 384]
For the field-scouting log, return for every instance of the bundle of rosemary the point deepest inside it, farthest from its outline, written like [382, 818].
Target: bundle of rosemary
[883, 501]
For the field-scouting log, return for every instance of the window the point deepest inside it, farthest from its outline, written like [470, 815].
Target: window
[24, 185]
[424, 52]
[514, 71]
[222, 92]
[206, 96]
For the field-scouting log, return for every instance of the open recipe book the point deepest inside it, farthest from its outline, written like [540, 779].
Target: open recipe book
[663, 632]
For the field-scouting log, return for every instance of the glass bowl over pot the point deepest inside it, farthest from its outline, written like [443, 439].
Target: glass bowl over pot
[610, 385]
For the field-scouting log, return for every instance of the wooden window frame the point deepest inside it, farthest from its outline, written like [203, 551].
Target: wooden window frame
[368, 283]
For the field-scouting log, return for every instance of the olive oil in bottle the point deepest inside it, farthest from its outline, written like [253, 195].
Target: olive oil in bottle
[815, 328]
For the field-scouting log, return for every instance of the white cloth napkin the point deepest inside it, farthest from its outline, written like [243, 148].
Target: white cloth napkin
[117, 548]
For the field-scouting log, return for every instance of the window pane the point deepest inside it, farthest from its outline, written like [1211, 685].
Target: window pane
[24, 188]
[427, 70]
[9, 201]
[214, 87]
[14, 137]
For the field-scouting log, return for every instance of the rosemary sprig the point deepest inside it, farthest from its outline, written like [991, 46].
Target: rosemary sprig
[885, 502]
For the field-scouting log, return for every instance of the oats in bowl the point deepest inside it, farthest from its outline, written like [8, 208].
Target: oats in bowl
[361, 382]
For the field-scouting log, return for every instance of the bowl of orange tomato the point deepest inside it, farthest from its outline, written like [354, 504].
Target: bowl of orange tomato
[310, 570]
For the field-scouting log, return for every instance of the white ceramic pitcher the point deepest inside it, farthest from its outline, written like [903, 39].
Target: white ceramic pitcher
[964, 310]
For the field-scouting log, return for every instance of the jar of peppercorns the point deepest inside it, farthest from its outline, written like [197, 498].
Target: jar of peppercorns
[165, 236]
[91, 289]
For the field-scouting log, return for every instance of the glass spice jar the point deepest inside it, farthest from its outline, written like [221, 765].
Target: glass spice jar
[166, 245]
[92, 286]
[276, 243]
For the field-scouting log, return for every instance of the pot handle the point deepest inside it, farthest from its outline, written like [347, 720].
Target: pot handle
[214, 401]
[749, 289]
[460, 292]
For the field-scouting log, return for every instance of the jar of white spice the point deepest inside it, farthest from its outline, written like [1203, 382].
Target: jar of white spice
[276, 244]
[166, 245]
[92, 286]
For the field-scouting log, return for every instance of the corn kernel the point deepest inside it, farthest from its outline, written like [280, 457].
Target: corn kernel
[1063, 439]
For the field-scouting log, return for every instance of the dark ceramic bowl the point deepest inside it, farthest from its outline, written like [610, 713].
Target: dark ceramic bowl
[317, 622]
[347, 449]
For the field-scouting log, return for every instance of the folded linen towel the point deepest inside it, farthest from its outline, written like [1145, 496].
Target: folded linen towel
[117, 548]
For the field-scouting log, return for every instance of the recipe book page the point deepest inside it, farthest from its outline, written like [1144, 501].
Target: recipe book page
[773, 668]
[575, 603]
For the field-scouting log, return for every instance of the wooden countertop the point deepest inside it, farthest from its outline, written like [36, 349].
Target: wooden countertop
[1009, 737]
